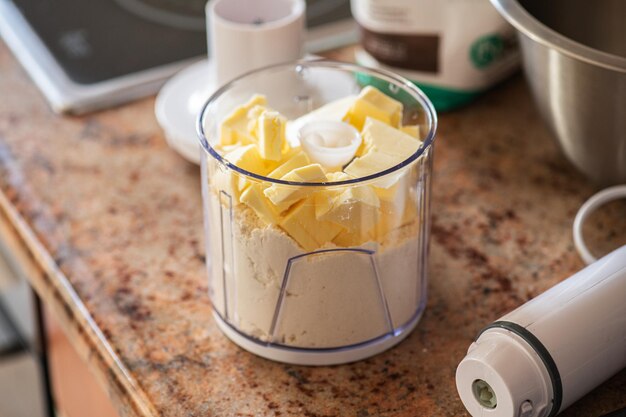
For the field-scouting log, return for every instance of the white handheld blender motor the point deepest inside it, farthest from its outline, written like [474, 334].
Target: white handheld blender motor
[549, 352]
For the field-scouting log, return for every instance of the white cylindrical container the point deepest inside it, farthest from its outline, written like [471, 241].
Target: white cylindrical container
[249, 34]
[452, 49]
[548, 353]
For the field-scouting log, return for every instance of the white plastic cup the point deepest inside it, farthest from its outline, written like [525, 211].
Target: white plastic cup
[248, 34]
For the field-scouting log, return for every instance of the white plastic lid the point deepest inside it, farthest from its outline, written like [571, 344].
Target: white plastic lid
[330, 143]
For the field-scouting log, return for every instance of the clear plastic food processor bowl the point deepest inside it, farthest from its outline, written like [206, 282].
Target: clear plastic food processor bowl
[327, 302]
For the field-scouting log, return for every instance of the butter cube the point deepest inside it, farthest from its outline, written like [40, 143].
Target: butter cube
[297, 160]
[393, 193]
[361, 110]
[410, 210]
[381, 100]
[271, 135]
[331, 192]
[324, 198]
[300, 223]
[393, 188]
[385, 147]
[355, 208]
[222, 180]
[348, 239]
[398, 205]
[392, 205]
[370, 163]
[371, 102]
[246, 157]
[254, 198]
[388, 140]
[337, 176]
[411, 130]
[226, 148]
[234, 128]
[393, 217]
[284, 196]
[253, 118]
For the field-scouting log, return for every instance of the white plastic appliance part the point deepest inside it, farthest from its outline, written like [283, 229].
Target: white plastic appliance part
[178, 105]
[244, 35]
[249, 34]
[548, 353]
[331, 143]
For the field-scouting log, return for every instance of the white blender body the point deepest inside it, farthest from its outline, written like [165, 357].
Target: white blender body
[548, 353]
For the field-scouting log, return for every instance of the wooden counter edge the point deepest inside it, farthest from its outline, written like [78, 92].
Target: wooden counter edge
[56, 292]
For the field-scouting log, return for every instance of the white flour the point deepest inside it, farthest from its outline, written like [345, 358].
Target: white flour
[332, 299]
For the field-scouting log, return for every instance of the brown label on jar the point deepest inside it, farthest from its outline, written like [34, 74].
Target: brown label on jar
[413, 52]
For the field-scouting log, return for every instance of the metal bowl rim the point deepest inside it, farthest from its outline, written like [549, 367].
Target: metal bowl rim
[534, 29]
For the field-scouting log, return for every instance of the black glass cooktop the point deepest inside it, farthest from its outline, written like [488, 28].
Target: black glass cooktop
[96, 40]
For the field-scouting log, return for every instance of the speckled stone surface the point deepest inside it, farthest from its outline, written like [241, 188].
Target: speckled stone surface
[113, 219]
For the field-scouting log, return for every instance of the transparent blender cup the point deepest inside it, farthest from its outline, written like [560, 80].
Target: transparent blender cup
[338, 272]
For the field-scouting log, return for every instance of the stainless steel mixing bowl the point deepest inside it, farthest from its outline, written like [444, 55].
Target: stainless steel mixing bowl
[574, 54]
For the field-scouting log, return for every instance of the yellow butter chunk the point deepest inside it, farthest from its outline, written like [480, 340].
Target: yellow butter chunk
[347, 239]
[300, 223]
[324, 198]
[410, 210]
[361, 110]
[398, 206]
[222, 180]
[234, 128]
[271, 134]
[385, 147]
[308, 173]
[284, 196]
[245, 157]
[338, 176]
[254, 198]
[334, 110]
[392, 216]
[392, 193]
[297, 160]
[355, 208]
[411, 130]
[253, 118]
[382, 101]
[370, 163]
[228, 148]
[388, 140]
[371, 102]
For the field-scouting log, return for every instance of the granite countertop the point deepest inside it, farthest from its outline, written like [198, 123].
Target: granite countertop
[110, 220]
